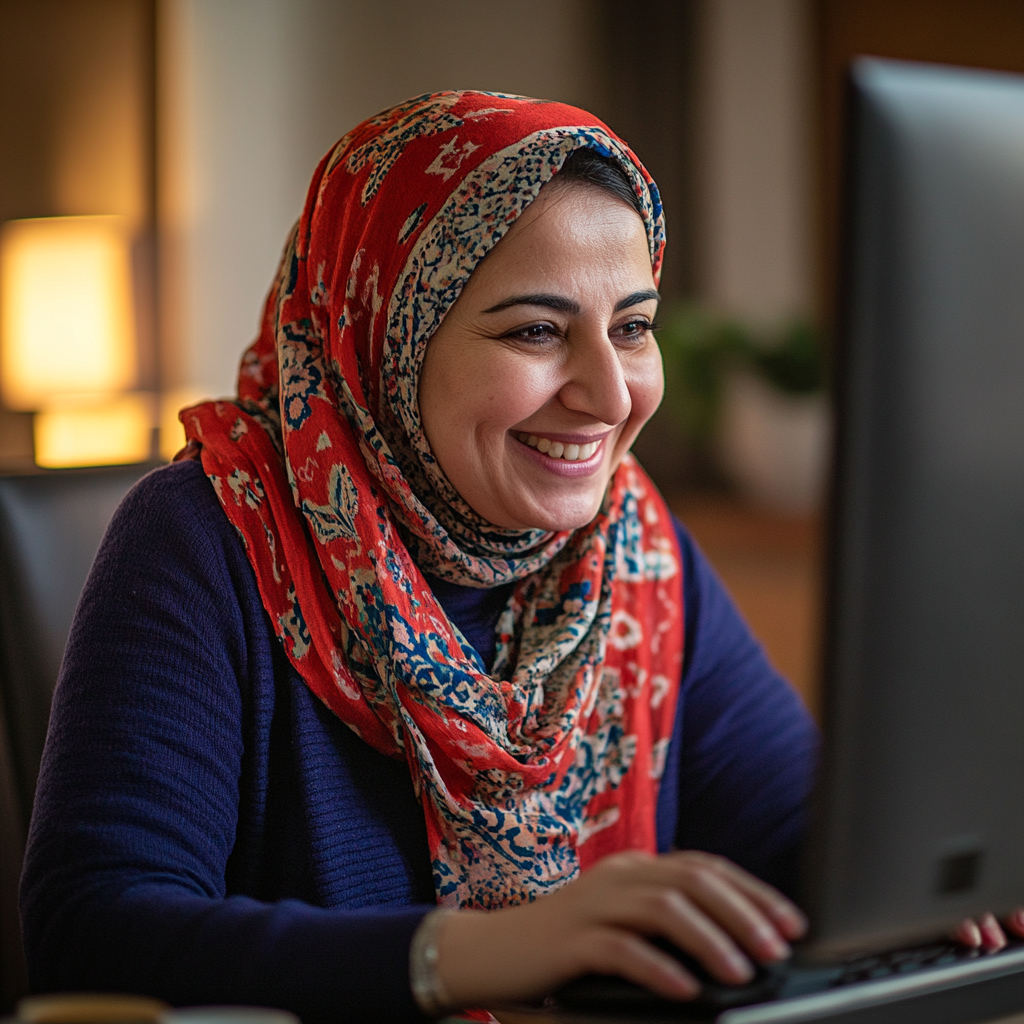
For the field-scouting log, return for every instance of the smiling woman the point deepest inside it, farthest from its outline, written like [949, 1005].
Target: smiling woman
[402, 692]
[540, 377]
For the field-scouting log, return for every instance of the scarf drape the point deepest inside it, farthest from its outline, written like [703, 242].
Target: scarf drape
[530, 769]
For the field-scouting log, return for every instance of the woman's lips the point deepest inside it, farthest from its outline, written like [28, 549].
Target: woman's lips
[571, 458]
[568, 451]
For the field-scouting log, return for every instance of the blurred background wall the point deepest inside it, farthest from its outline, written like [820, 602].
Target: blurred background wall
[199, 122]
[206, 117]
[77, 136]
[254, 92]
[715, 96]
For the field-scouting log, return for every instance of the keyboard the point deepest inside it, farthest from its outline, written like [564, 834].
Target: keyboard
[901, 961]
[811, 991]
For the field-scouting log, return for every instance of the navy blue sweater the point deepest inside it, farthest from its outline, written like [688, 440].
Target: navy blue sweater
[206, 831]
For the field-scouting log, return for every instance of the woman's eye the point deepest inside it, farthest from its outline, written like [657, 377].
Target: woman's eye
[636, 328]
[535, 332]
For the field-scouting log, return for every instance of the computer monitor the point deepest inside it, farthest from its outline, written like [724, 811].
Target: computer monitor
[919, 817]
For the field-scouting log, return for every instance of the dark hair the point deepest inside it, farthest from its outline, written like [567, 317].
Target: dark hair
[591, 168]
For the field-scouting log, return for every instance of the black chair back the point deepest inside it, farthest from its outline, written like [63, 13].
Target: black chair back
[51, 525]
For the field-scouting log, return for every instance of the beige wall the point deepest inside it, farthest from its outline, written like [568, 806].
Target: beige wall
[253, 92]
[754, 162]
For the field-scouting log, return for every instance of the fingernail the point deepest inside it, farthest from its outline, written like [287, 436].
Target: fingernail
[791, 921]
[687, 984]
[969, 933]
[771, 945]
[740, 966]
[993, 934]
[1018, 919]
[798, 919]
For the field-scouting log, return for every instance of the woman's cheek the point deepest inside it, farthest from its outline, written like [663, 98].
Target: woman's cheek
[646, 387]
[523, 387]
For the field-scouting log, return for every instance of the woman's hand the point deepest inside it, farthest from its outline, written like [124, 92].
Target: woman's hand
[704, 904]
[987, 933]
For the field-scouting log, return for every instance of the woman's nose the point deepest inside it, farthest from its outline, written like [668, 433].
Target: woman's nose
[596, 383]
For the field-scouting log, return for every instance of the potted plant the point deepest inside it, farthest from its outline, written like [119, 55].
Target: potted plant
[755, 399]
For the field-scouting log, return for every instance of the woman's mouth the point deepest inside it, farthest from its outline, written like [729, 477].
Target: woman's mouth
[557, 450]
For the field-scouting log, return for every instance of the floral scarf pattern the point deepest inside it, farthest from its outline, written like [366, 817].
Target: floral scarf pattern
[535, 767]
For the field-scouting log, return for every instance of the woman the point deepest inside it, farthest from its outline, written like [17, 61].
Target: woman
[431, 636]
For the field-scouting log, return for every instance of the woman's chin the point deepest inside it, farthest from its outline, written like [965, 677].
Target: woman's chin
[553, 516]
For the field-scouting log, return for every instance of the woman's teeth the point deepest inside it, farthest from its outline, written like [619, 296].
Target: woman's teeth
[557, 450]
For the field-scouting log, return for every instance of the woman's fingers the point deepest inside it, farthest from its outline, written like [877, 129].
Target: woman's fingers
[681, 869]
[696, 902]
[1014, 923]
[617, 951]
[992, 937]
[688, 926]
[600, 923]
[734, 913]
[968, 933]
[526, 952]
[784, 914]
[986, 933]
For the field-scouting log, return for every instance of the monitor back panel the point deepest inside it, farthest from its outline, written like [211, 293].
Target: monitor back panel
[919, 818]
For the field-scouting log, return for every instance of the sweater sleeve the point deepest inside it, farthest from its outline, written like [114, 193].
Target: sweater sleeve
[137, 803]
[745, 746]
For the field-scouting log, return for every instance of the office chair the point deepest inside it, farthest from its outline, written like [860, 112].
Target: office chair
[51, 525]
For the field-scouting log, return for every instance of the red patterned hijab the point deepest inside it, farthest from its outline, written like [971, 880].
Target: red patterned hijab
[538, 765]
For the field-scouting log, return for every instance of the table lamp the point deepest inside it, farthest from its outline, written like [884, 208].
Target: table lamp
[67, 339]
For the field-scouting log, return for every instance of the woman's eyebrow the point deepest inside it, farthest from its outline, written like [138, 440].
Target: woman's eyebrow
[557, 302]
[570, 306]
[636, 298]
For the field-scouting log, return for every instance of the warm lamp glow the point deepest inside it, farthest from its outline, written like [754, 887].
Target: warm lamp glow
[105, 432]
[66, 318]
[172, 433]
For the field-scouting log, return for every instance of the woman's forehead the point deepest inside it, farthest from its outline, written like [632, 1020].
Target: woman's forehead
[567, 240]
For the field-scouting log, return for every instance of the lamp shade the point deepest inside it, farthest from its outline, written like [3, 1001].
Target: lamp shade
[66, 316]
[102, 431]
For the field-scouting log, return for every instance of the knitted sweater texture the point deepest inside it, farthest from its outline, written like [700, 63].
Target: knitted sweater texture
[206, 831]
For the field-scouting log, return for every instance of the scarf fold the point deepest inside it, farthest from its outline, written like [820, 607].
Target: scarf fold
[535, 767]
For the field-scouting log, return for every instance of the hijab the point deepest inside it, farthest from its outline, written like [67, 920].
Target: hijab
[531, 768]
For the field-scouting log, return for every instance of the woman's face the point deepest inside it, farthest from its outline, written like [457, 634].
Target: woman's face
[543, 372]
